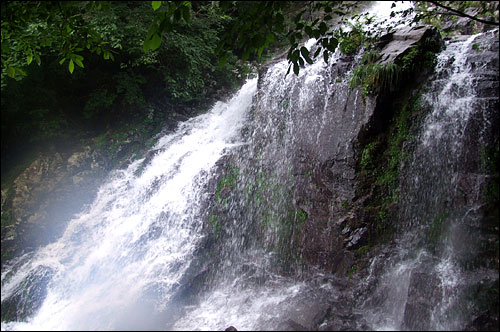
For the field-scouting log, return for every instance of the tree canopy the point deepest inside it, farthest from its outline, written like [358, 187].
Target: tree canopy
[67, 28]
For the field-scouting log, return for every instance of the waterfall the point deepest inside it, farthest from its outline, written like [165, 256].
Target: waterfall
[432, 272]
[120, 261]
[240, 217]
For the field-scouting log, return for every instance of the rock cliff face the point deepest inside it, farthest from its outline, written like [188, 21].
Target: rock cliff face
[39, 202]
[303, 165]
[321, 183]
[45, 196]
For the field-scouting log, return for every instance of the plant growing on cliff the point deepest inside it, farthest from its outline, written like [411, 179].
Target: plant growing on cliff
[301, 216]
[374, 78]
[368, 157]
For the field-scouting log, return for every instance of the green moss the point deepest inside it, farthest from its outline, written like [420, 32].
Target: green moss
[376, 78]
[379, 167]
[388, 175]
[227, 182]
[361, 251]
[437, 229]
[490, 156]
[301, 216]
[352, 271]
[7, 218]
[214, 221]
[368, 157]
[350, 41]
[285, 103]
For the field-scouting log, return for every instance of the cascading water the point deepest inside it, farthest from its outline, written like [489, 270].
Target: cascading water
[428, 280]
[249, 291]
[120, 261]
[163, 228]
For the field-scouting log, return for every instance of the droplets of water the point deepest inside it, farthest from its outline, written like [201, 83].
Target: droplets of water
[124, 256]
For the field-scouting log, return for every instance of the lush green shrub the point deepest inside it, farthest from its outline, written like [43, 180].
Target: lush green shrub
[98, 101]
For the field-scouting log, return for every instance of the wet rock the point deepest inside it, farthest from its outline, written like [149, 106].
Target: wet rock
[45, 196]
[27, 298]
[424, 294]
[39, 178]
[484, 322]
[305, 312]
[397, 43]
[342, 263]
[356, 239]
[79, 160]
[291, 325]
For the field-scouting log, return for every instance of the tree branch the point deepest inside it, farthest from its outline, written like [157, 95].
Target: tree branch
[459, 13]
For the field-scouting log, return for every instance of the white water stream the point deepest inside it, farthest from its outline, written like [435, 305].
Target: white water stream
[138, 236]
[425, 281]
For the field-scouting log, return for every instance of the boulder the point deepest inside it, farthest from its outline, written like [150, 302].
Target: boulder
[40, 201]
[397, 43]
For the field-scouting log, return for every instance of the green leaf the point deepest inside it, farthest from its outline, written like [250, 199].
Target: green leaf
[146, 45]
[301, 62]
[156, 4]
[30, 59]
[270, 38]
[11, 71]
[317, 52]
[155, 42]
[298, 17]
[62, 61]
[223, 60]
[177, 15]
[323, 28]
[304, 51]
[296, 68]
[332, 44]
[186, 13]
[71, 66]
[79, 62]
[308, 30]
[305, 54]
[22, 72]
[325, 56]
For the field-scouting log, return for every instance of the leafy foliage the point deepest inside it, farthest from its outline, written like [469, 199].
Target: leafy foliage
[33, 29]
[173, 53]
[183, 71]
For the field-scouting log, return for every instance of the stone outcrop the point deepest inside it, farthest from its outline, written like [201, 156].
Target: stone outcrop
[323, 154]
[45, 196]
[395, 44]
[309, 201]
